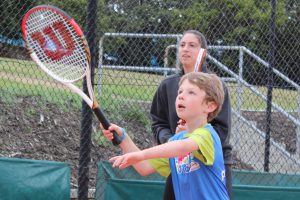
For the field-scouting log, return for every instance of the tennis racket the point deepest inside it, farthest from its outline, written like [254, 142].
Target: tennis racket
[200, 59]
[57, 44]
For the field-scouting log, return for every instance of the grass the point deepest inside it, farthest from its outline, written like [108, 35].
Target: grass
[113, 87]
[287, 99]
[57, 96]
[22, 68]
[100, 138]
[129, 85]
[136, 115]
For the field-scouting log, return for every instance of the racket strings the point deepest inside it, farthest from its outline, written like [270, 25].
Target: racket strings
[57, 45]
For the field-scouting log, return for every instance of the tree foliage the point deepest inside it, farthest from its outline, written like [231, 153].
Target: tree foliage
[225, 22]
[11, 14]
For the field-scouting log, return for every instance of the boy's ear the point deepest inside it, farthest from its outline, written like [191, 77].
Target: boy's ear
[211, 106]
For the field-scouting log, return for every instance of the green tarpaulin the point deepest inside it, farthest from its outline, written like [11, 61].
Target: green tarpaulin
[22, 179]
[249, 185]
[127, 184]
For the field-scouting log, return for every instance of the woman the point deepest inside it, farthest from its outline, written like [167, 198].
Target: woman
[165, 121]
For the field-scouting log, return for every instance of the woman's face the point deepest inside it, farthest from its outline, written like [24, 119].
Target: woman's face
[188, 51]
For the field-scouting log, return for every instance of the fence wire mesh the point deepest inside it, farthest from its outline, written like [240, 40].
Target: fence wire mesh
[135, 47]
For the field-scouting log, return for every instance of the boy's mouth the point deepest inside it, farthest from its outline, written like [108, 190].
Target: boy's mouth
[181, 106]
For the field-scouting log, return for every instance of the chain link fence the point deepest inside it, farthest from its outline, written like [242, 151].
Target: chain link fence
[134, 47]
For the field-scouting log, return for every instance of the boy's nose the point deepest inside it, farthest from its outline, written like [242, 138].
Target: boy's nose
[180, 96]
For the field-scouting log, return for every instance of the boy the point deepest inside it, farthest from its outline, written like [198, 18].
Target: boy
[193, 155]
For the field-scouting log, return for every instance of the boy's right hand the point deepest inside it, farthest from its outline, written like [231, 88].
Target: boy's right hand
[108, 133]
[127, 159]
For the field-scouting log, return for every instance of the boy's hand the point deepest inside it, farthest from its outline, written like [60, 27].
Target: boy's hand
[108, 133]
[126, 159]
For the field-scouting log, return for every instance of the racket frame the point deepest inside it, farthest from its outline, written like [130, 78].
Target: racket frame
[90, 100]
[200, 59]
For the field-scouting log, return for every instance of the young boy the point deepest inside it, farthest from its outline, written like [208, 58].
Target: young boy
[193, 155]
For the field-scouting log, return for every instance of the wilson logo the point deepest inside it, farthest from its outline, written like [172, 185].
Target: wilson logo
[56, 41]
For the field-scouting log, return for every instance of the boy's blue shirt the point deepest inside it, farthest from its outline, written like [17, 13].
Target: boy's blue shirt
[199, 174]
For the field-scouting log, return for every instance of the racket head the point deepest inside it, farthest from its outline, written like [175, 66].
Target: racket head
[55, 41]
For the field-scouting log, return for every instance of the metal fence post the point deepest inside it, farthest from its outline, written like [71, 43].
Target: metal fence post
[240, 86]
[86, 114]
[298, 127]
[270, 84]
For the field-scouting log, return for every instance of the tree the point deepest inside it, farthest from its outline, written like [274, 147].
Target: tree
[11, 13]
[288, 44]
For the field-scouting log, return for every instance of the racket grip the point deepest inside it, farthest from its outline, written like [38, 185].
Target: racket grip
[105, 123]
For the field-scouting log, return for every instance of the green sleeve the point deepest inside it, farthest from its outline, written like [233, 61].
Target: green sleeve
[161, 165]
[203, 138]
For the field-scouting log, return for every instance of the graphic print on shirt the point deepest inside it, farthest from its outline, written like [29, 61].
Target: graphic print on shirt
[186, 164]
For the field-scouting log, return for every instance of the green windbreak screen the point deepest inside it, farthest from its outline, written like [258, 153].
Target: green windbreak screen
[116, 184]
[247, 185]
[34, 179]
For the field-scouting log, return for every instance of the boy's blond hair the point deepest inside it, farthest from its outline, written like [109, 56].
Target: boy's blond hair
[212, 85]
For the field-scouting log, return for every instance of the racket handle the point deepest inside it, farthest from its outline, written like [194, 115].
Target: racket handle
[105, 123]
